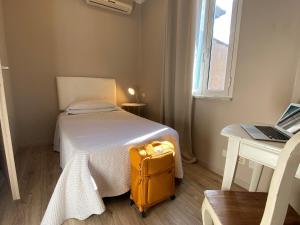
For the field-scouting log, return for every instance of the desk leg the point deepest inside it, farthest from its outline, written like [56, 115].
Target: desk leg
[256, 174]
[231, 163]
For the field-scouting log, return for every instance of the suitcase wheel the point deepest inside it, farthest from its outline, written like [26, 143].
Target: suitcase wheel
[173, 197]
[142, 214]
[131, 202]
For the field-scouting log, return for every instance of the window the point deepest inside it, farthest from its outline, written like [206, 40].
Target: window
[216, 48]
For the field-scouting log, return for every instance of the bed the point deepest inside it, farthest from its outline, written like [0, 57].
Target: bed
[94, 150]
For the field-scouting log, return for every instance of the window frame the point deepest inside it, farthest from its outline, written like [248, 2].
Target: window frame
[202, 90]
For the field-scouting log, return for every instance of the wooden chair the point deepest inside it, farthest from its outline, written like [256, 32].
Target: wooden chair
[253, 208]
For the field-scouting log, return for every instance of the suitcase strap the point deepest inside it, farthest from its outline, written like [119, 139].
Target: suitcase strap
[169, 170]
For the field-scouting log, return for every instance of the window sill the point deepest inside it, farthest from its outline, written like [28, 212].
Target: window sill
[205, 97]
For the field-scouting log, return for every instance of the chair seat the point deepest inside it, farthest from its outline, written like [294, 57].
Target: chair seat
[243, 208]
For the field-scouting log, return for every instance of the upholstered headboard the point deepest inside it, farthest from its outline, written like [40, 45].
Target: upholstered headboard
[71, 89]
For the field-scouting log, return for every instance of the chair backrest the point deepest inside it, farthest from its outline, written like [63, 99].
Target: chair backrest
[282, 180]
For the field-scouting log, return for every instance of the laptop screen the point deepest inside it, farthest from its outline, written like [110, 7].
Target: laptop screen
[290, 120]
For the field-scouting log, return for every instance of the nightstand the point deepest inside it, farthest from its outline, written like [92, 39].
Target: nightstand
[135, 108]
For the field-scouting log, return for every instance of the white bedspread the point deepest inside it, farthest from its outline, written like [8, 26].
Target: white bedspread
[95, 160]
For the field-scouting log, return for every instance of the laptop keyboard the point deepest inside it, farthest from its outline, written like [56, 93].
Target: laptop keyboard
[272, 133]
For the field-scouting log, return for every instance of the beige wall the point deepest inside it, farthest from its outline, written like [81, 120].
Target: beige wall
[2, 60]
[296, 91]
[153, 20]
[50, 38]
[265, 72]
[46, 39]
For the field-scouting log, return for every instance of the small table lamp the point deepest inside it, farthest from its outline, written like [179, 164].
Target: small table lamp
[132, 92]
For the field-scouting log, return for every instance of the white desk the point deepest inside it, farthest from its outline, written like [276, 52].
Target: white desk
[263, 153]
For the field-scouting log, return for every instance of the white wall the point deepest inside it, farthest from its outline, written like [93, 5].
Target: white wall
[50, 38]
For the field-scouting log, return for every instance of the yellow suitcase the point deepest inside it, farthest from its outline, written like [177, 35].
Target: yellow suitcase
[152, 174]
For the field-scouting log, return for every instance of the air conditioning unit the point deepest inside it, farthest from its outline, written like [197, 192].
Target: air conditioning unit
[122, 6]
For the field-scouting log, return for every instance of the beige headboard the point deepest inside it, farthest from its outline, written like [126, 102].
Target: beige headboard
[71, 89]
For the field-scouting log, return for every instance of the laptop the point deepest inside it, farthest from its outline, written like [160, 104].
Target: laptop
[285, 128]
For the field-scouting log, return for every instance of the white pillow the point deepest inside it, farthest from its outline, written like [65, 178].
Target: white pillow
[90, 104]
[86, 111]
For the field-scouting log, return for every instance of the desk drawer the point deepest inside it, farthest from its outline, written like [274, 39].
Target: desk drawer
[260, 155]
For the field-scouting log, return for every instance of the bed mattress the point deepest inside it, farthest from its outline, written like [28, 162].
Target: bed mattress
[95, 160]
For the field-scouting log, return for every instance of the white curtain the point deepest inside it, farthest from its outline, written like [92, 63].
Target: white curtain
[177, 99]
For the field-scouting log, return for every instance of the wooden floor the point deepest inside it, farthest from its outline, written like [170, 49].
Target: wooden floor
[38, 171]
